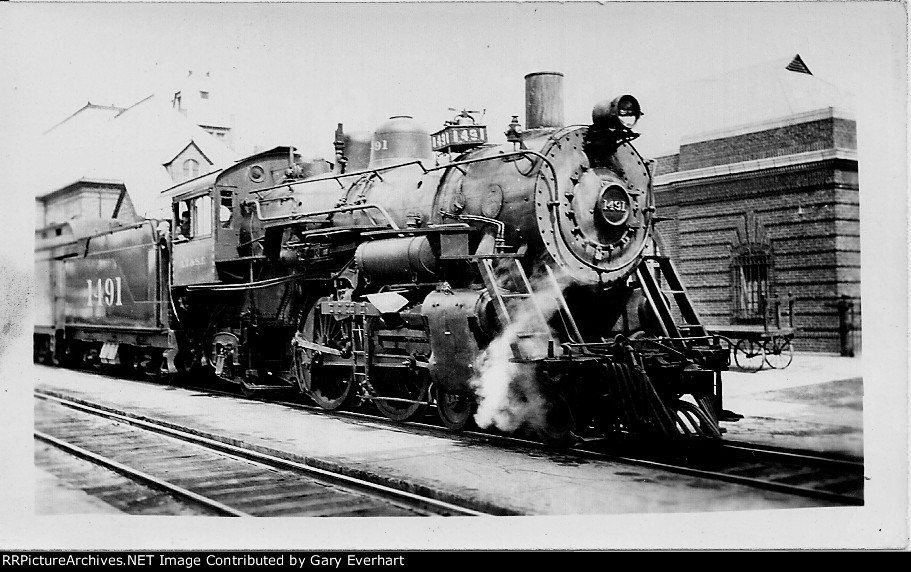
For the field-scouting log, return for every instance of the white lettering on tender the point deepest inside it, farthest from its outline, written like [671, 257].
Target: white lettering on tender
[107, 293]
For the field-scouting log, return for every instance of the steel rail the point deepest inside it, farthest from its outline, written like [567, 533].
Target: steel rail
[770, 485]
[138, 475]
[267, 459]
[842, 459]
[794, 455]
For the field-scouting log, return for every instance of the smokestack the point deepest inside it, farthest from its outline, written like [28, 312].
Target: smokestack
[543, 100]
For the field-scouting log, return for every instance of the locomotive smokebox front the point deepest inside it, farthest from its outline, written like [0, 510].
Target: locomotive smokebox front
[593, 196]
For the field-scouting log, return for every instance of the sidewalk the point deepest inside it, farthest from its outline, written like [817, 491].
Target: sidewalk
[815, 403]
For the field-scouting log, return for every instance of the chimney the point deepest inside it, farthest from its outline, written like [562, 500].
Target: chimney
[543, 100]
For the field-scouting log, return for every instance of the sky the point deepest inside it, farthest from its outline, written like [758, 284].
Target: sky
[290, 72]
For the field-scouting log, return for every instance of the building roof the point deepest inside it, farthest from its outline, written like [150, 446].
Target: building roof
[81, 182]
[700, 109]
[89, 114]
[130, 145]
[183, 148]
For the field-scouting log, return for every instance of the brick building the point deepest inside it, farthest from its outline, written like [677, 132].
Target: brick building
[761, 211]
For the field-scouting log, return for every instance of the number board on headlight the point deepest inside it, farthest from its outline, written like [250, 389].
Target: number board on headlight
[454, 136]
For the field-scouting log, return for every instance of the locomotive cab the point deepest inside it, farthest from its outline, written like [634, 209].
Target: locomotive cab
[216, 234]
[193, 241]
[238, 231]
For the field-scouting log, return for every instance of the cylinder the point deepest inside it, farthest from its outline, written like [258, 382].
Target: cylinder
[397, 260]
[543, 100]
[400, 140]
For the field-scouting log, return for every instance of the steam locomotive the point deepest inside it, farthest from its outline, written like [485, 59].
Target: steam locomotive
[517, 286]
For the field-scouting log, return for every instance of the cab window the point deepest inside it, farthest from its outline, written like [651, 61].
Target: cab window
[193, 218]
[226, 209]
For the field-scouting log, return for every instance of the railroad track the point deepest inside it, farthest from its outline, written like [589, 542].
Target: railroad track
[212, 476]
[837, 480]
[106, 490]
[833, 478]
[799, 473]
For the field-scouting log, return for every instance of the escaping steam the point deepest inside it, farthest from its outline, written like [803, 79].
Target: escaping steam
[506, 379]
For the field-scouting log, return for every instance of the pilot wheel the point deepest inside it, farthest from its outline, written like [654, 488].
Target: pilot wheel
[455, 410]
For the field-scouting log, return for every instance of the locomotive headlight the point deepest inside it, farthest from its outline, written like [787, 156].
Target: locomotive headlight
[626, 110]
[622, 112]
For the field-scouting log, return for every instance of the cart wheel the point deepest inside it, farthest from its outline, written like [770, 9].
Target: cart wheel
[749, 354]
[779, 352]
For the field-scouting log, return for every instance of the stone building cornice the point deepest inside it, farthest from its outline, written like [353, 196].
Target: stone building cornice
[756, 165]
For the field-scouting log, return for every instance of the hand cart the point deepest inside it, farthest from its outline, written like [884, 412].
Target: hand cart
[758, 345]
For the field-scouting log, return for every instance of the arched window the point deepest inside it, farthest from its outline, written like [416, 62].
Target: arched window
[751, 279]
[752, 270]
[191, 169]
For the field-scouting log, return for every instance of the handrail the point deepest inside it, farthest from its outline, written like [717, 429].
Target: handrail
[373, 171]
[366, 206]
[346, 208]
[419, 163]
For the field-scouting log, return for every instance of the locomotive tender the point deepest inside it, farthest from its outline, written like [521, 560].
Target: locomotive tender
[516, 285]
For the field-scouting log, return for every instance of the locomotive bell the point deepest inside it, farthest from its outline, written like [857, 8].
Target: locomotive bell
[400, 140]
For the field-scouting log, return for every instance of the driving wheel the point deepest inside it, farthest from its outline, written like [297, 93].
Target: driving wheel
[327, 375]
[411, 385]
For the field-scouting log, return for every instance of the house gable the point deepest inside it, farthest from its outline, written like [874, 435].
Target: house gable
[189, 163]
